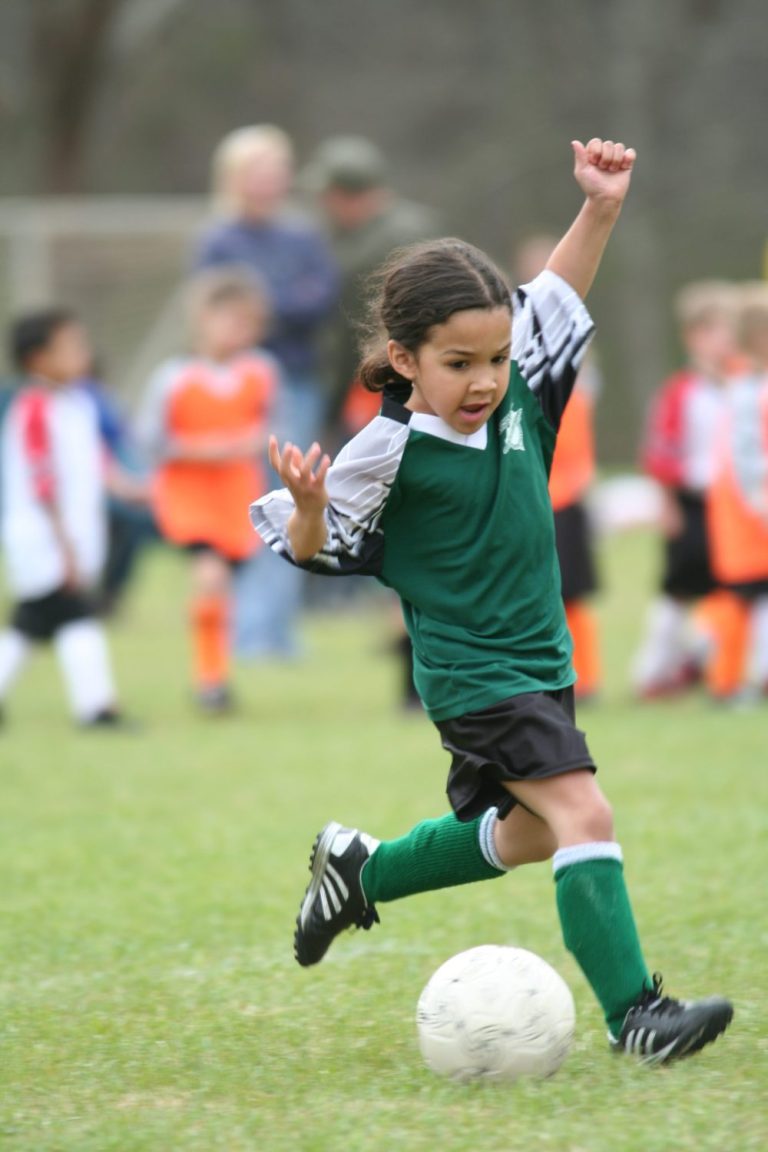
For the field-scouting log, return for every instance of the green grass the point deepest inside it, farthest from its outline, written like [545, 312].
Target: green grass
[149, 884]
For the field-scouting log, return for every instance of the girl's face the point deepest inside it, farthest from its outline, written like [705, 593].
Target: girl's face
[711, 344]
[228, 327]
[461, 372]
[260, 185]
[67, 356]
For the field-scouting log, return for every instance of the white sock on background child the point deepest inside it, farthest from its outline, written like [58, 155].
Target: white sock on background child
[662, 652]
[14, 649]
[759, 656]
[82, 652]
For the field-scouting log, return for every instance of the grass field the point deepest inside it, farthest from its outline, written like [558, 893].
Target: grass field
[149, 886]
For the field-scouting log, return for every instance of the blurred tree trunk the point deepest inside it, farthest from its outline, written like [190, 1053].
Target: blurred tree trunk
[70, 43]
[639, 41]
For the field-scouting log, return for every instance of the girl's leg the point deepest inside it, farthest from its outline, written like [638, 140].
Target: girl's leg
[727, 667]
[659, 662]
[759, 643]
[14, 649]
[351, 871]
[582, 625]
[209, 617]
[447, 852]
[83, 655]
[593, 904]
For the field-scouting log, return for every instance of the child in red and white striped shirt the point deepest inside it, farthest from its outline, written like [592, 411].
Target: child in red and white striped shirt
[54, 484]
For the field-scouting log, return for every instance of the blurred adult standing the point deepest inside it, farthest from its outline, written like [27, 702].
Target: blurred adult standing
[252, 175]
[366, 220]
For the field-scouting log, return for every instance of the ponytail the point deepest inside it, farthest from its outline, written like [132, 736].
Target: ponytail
[377, 375]
[418, 288]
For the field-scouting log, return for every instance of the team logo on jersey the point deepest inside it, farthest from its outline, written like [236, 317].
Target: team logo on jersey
[511, 428]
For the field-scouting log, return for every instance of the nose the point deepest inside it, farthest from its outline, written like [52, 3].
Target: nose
[485, 382]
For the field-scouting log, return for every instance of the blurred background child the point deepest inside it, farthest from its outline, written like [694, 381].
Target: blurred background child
[202, 419]
[258, 226]
[366, 220]
[738, 513]
[54, 522]
[679, 453]
[571, 477]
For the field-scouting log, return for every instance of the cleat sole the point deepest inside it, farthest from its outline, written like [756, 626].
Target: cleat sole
[321, 850]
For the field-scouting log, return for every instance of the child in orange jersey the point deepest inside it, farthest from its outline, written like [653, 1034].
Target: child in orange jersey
[738, 510]
[679, 452]
[573, 470]
[203, 418]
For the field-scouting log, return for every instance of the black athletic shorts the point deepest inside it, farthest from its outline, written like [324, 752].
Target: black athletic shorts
[749, 590]
[201, 548]
[40, 619]
[687, 571]
[527, 737]
[573, 537]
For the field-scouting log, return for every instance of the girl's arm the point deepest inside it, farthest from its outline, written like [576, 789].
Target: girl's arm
[328, 519]
[603, 171]
[304, 477]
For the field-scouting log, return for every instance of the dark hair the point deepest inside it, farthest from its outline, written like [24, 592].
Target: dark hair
[33, 332]
[417, 288]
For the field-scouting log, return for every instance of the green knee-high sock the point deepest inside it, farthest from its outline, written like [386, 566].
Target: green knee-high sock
[435, 854]
[598, 926]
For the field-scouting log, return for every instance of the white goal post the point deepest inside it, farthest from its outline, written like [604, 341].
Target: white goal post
[119, 261]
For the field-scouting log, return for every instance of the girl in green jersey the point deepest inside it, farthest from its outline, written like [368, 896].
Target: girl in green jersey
[444, 498]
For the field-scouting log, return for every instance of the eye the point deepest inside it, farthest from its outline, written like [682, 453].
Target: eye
[458, 365]
[504, 359]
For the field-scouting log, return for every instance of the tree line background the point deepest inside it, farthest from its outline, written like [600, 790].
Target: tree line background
[474, 104]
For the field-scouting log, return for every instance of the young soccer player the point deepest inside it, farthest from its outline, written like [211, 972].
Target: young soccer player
[680, 452]
[203, 419]
[737, 510]
[570, 478]
[54, 485]
[444, 497]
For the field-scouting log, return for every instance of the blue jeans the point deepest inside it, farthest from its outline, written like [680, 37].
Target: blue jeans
[268, 591]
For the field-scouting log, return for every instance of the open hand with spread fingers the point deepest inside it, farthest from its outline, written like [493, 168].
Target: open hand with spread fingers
[304, 476]
[302, 473]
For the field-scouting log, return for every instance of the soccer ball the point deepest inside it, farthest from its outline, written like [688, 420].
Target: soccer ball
[495, 1013]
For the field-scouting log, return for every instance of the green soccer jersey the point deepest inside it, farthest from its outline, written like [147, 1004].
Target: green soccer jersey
[461, 527]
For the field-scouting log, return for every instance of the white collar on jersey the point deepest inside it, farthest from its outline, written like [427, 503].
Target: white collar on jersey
[435, 426]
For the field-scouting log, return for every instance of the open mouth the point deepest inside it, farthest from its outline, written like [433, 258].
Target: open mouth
[474, 411]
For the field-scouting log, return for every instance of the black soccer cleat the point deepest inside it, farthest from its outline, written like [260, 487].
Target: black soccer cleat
[111, 720]
[215, 700]
[658, 1029]
[334, 899]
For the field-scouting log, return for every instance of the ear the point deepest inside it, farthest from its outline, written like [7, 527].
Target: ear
[403, 361]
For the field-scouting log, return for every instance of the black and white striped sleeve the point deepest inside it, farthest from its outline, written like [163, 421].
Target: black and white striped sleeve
[551, 329]
[359, 482]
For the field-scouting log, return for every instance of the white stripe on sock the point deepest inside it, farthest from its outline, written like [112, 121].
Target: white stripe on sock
[488, 844]
[579, 853]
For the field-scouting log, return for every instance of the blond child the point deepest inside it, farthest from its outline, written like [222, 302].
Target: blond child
[203, 420]
[679, 452]
[738, 510]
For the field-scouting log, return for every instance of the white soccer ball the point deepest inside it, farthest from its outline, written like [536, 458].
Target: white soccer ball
[495, 1013]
